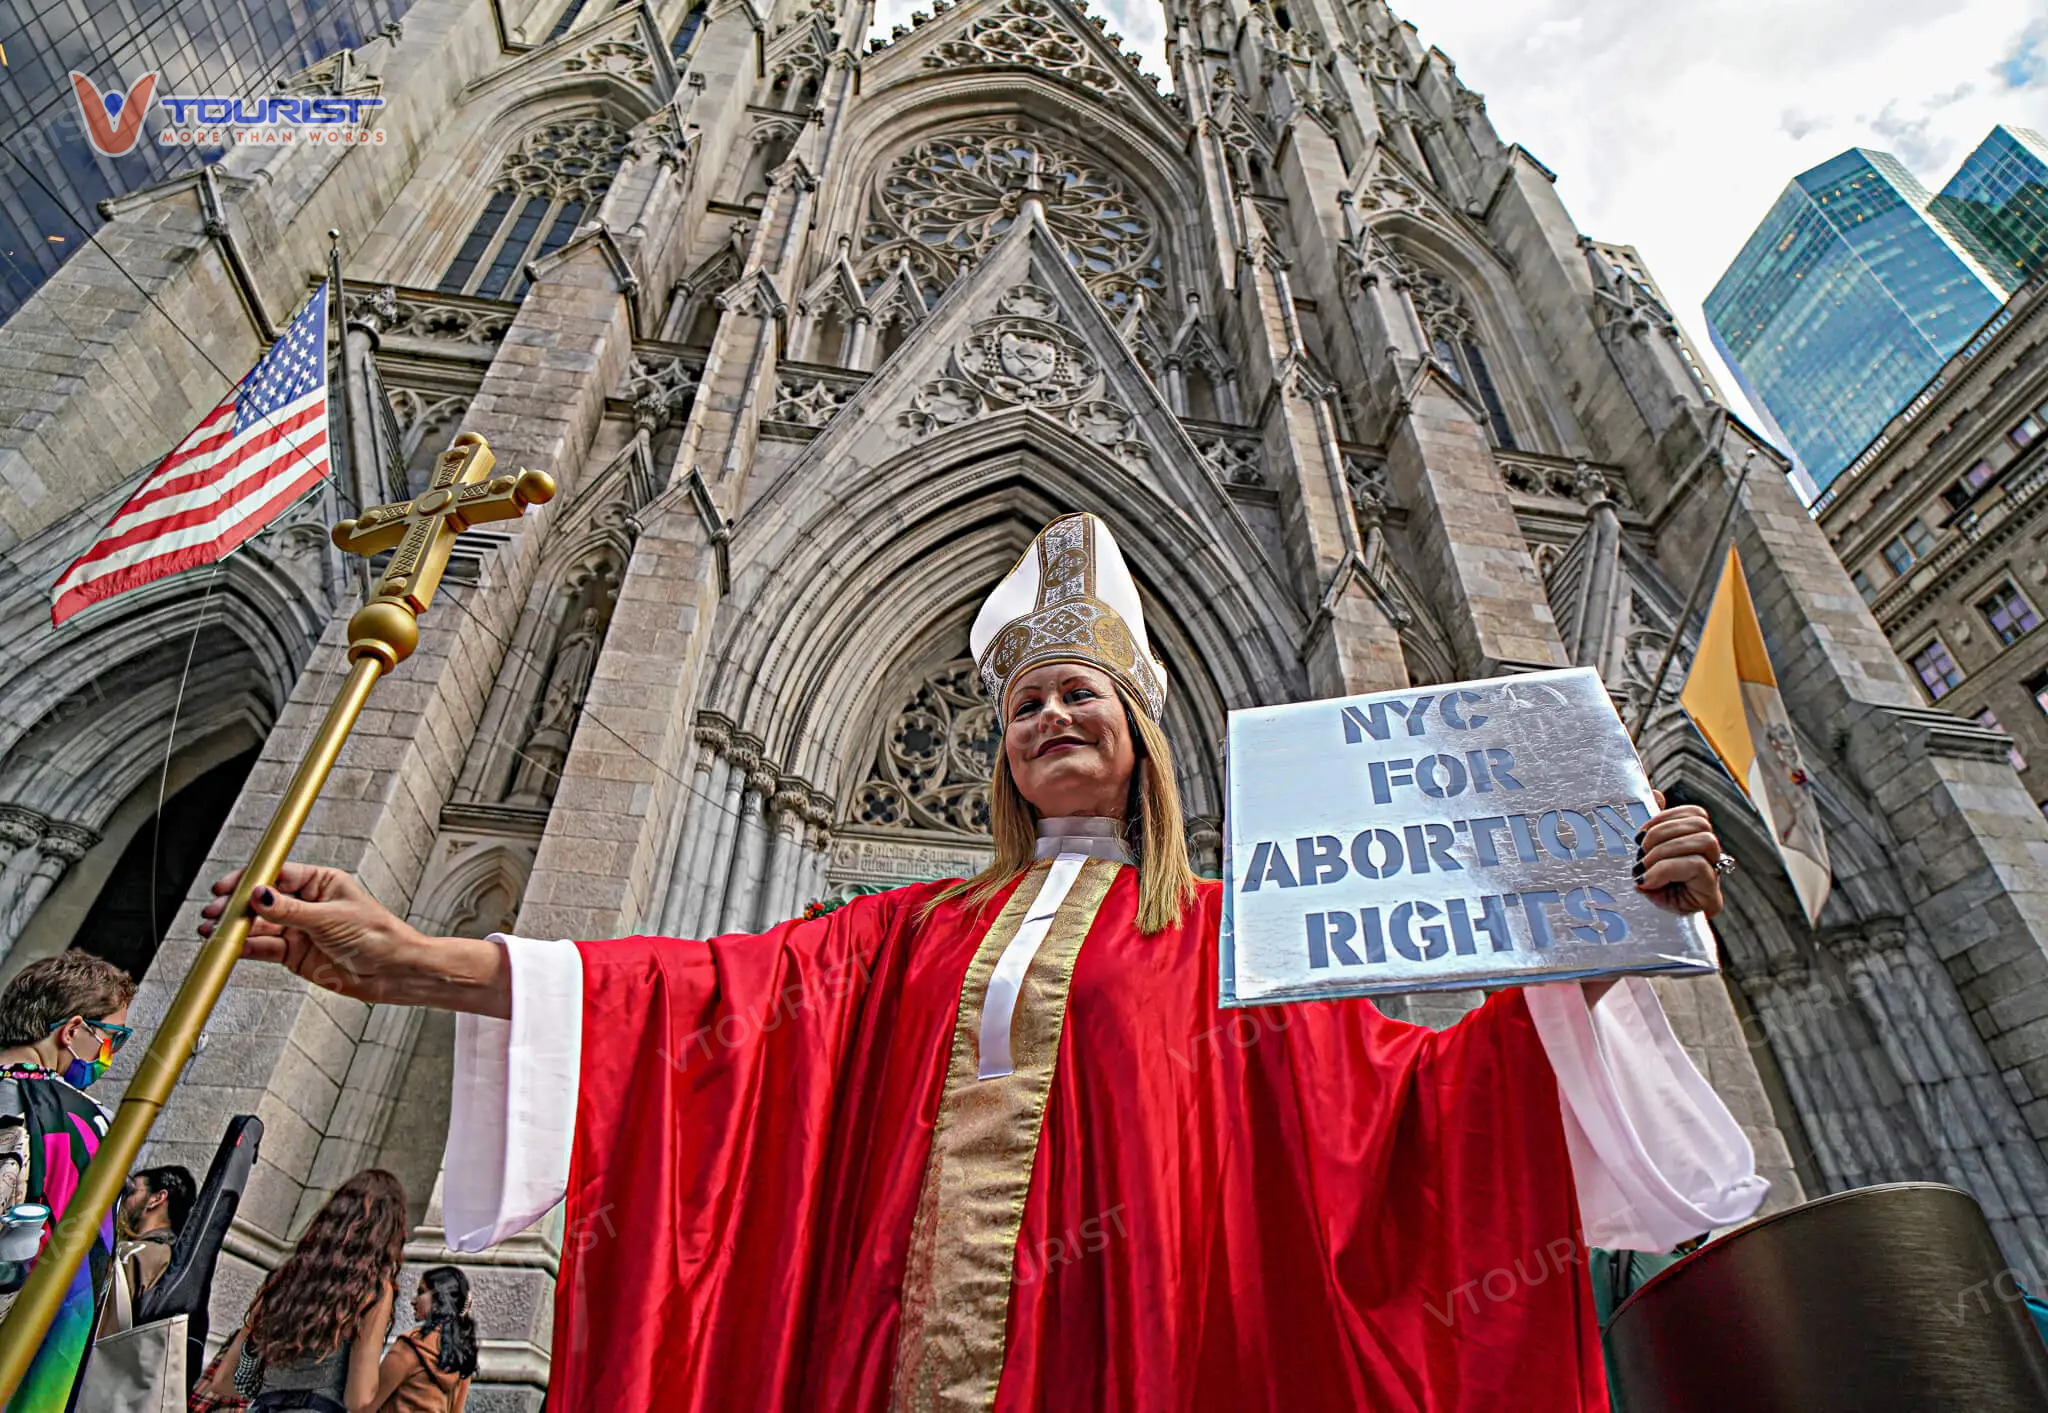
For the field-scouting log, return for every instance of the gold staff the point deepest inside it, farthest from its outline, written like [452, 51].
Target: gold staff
[381, 635]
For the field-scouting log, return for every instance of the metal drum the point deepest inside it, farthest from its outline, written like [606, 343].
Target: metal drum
[1890, 1299]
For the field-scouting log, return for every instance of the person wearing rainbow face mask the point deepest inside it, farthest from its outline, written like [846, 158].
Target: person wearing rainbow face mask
[61, 1021]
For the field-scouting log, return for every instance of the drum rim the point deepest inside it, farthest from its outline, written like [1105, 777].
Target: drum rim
[1686, 1262]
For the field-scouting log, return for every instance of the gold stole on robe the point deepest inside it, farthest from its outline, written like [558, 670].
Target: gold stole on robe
[963, 1244]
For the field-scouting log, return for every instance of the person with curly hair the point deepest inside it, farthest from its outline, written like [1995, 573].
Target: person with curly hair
[316, 1327]
[429, 1368]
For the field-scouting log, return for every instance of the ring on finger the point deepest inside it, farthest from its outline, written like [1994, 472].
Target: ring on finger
[1725, 865]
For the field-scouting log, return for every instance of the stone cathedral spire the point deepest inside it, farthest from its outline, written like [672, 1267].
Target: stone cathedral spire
[816, 330]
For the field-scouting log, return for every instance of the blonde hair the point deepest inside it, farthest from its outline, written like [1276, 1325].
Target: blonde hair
[1166, 881]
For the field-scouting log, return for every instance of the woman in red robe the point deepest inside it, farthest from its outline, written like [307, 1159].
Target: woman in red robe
[993, 1144]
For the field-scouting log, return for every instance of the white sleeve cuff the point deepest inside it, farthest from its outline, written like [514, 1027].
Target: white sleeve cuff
[512, 1121]
[1656, 1156]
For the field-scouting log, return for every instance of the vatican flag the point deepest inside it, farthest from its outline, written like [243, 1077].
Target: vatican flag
[1731, 694]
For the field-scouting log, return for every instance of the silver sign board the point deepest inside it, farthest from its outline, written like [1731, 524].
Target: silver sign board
[1478, 834]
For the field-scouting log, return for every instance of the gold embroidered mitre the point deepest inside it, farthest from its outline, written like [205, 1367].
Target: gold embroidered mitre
[1070, 599]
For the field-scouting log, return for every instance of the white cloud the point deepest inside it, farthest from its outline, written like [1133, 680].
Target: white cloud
[1672, 127]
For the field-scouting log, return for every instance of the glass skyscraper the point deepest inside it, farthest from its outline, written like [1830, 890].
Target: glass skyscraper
[226, 47]
[1998, 199]
[1843, 303]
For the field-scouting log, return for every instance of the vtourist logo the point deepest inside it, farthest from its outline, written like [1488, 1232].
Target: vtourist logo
[114, 120]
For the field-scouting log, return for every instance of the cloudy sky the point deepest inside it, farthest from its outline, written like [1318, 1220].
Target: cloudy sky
[1673, 126]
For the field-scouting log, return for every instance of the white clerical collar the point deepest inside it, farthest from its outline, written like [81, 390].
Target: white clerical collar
[1088, 835]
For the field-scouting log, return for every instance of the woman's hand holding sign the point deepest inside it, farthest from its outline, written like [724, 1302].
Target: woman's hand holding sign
[1676, 853]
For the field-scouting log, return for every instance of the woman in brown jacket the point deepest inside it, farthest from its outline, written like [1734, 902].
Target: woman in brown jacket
[428, 1369]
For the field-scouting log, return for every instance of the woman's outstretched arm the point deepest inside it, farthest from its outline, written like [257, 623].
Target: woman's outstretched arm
[323, 925]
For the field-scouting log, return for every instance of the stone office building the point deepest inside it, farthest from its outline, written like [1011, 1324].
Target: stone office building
[1939, 522]
[815, 332]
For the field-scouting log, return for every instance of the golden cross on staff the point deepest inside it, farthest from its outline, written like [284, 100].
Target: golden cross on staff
[381, 634]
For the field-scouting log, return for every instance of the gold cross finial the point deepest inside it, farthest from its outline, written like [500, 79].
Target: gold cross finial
[421, 533]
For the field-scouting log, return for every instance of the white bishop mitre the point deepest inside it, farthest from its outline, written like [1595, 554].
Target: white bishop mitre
[1070, 599]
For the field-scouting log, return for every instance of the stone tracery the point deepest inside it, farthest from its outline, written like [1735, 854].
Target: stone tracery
[1024, 32]
[935, 760]
[953, 196]
[548, 181]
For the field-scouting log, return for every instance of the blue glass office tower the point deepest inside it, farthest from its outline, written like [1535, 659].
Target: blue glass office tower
[1998, 199]
[239, 47]
[1843, 303]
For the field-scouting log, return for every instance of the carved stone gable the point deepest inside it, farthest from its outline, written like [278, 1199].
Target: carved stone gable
[1387, 187]
[622, 50]
[1024, 32]
[1019, 334]
[1023, 357]
[1059, 40]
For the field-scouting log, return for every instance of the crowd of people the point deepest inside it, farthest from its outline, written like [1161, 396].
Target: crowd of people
[319, 1333]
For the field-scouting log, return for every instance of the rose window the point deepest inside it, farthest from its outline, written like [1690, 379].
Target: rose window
[951, 198]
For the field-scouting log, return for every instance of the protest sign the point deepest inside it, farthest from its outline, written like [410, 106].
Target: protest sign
[1478, 834]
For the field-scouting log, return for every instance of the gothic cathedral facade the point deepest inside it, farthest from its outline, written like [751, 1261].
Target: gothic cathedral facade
[815, 331]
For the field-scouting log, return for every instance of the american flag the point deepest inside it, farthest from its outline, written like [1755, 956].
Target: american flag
[251, 458]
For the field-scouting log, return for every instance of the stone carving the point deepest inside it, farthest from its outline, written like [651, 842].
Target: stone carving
[953, 197]
[809, 402]
[1205, 845]
[19, 829]
[1024, 357]
[1387, 193]
[941, 403]
[1105, 423]
[572, 161]
[377, 309]
[937, 754]
[1024, 32]
[1236, 463]
[1590, 484]
[661, 389]
[1370, 493]
[1445, 319]
[1531, 476]
[340, 74]
[622, 58]
[423, 316]
[489, 904]
[58, 846]
[661, 138]
[797, 58]
[592, 589]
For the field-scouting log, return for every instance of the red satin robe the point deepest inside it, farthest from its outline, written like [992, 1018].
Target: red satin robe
[1301, 1207]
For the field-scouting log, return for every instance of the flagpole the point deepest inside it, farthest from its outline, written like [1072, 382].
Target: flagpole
[1692, 600]
[381, 634]
[337, 322]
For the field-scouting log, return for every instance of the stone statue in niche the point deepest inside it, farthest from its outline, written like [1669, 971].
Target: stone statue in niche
[561, 701]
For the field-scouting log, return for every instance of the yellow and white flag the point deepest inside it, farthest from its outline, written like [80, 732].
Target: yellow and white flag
[1731, 694]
